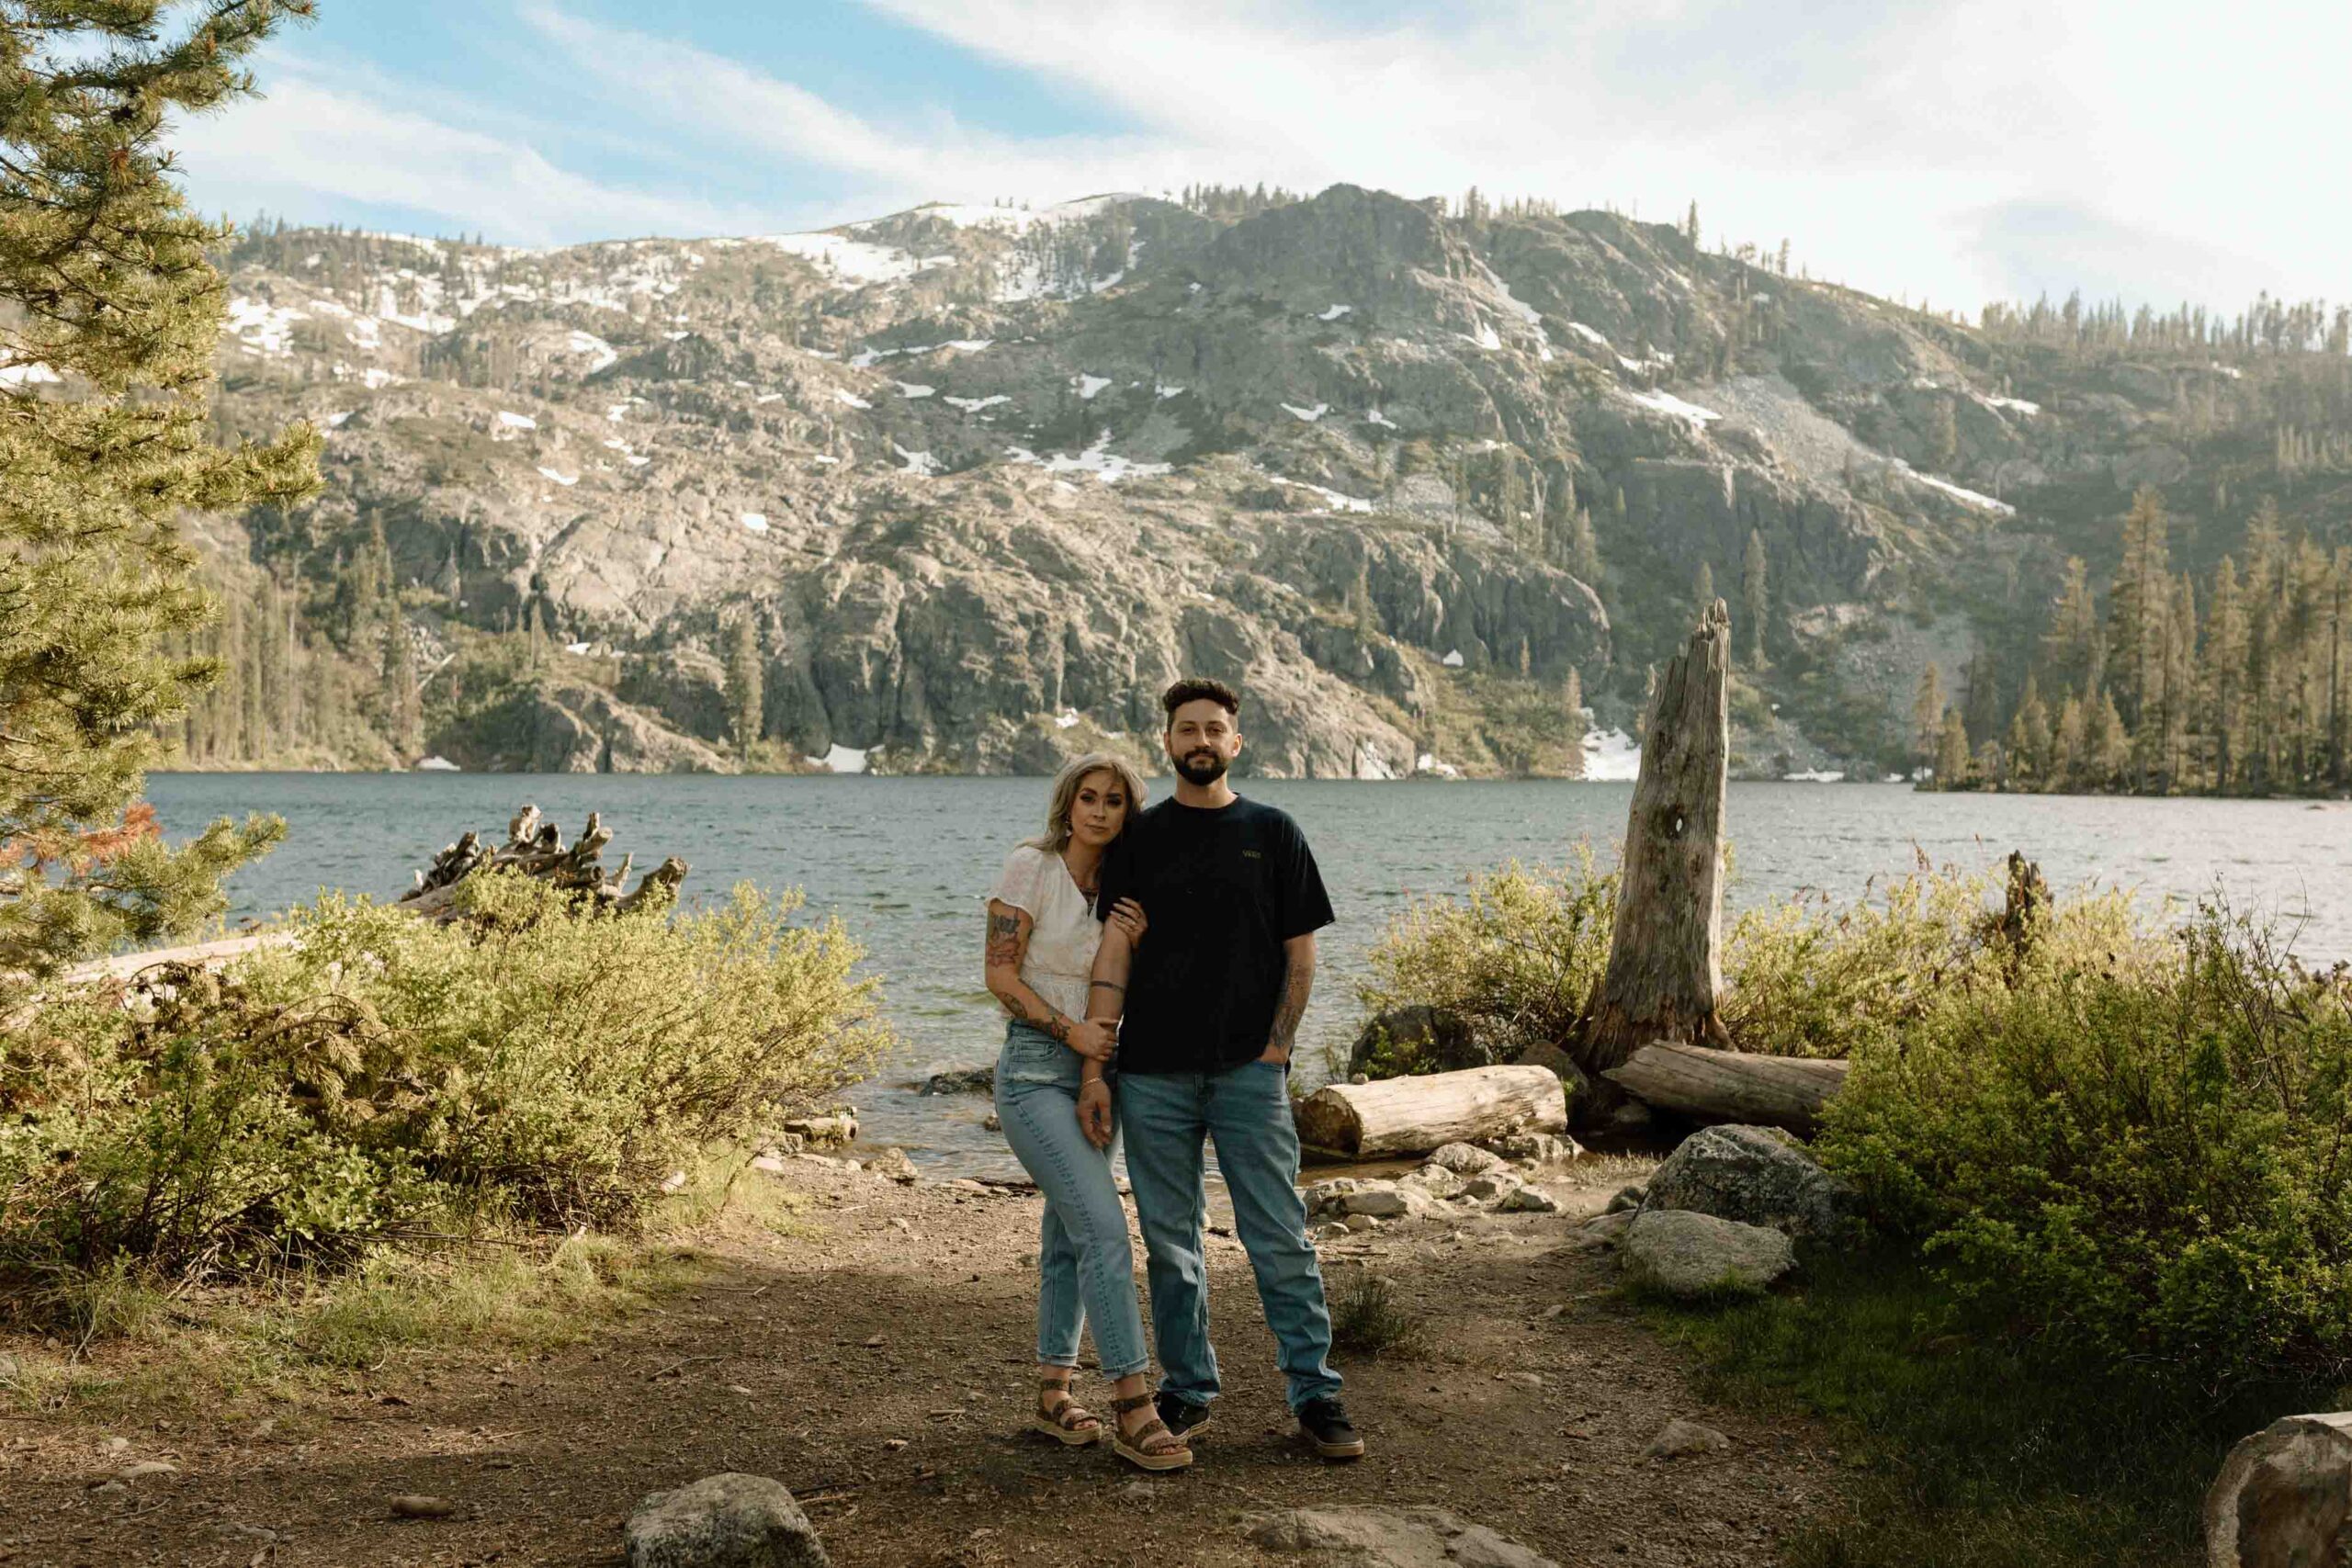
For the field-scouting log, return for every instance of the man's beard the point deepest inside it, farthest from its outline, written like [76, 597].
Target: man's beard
[1200, 767]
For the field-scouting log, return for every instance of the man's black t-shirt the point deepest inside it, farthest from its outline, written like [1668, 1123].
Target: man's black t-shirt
[1222, 888]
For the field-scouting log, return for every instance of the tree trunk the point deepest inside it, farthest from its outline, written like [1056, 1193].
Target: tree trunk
[1409, 1115]
[1665, 970]
[1731, 1086]
[2284, 1496]
[536, 849]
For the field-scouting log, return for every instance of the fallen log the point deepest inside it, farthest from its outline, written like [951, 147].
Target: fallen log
[1731, 1085]
[534, 848]
[2284, 1495]
[1411, 1115]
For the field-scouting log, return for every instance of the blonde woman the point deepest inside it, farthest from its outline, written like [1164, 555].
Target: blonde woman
[1042, 934]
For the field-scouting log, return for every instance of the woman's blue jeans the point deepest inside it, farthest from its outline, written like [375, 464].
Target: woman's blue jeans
[1085, 1270]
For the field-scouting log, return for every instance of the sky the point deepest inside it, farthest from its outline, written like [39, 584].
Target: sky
[1950, 152]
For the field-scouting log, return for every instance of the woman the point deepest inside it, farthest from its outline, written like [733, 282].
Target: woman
[1042, 936]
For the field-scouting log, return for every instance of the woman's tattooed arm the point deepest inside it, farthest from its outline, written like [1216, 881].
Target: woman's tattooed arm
[1007, 946]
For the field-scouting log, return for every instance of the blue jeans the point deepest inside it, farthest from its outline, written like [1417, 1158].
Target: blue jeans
[1247, 1110]
[1085, 1270]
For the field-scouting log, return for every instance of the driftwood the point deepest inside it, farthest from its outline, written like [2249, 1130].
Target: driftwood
[2284, 1495]
[1731, 1085]
[1409, 1115]
[1664, 971]
[534, 848]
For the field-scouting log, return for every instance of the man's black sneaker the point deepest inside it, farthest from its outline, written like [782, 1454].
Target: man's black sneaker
[1180, 1415]
[1324, 1422]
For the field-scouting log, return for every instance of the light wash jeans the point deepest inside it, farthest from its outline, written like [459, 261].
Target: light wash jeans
[1085, 1270]
[1247, 1110]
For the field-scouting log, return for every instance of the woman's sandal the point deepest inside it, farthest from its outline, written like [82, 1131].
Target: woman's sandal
[1067, 1421]
[1137, 1450]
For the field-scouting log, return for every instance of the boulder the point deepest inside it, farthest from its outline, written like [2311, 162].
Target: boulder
[1433, 1179]
[1533, 1149]
[960, 1080]
[1685, 1439]
[1388, 1201]
[1689, 1255]
[1341, 1537]
[2284, 1495]
[1325, 1195]
[1491, 1186]
[1606, 1230]
[1416, 1039]
[894, 1164]
[1465, 1159]
[723, 1521]
[1529, 1200]
[1758, 1176]
[1627, 1197]
[1573, 1085]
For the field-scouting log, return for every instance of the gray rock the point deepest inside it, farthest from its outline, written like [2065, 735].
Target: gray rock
[1573, 1085]
[1529, 1200]
[1387, 1201]
[1691, 1255]
[1685, 1439]
[1627, 1197]
[1325, 1195]
[1331, 1232]
[1433, 1179]
[960, 1080]
[1421, 1039]
[1340, 1537]
[1465, 1159]
[1360, 1223]
[723, 1521]
[894, 1164]
[1492, 1185]
[1759, 1176]
[829, 1127]
[1607, 1230]
[1538, 1149]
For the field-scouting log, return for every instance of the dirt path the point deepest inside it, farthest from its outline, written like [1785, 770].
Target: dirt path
[907, 1452]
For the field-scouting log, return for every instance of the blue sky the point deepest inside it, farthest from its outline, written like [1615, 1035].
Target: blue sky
[1953, 150]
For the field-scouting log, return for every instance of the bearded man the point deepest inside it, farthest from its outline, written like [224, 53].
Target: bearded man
[1206, 1011]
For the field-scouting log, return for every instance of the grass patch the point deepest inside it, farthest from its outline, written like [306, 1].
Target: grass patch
[1973, 1449]
[1369, 1318]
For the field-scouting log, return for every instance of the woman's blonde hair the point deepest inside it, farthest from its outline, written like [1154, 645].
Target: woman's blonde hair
[1055, 838]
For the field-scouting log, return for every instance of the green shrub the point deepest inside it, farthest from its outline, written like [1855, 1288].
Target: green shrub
[382, 1075]
[2146, 1159]
[1514, 957]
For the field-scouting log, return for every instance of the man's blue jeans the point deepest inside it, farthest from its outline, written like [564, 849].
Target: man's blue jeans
[1246, 1110]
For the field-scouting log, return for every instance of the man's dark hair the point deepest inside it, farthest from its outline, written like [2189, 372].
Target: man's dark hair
[1193, 689]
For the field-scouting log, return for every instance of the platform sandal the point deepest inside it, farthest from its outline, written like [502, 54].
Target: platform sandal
[1067, 1421]
[1153, 1447]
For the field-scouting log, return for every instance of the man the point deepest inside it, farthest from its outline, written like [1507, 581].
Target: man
[1211, 1004]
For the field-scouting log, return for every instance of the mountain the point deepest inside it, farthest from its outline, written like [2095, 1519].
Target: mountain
[981, 480]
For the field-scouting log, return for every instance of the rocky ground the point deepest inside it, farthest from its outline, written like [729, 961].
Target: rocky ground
[876, 1361]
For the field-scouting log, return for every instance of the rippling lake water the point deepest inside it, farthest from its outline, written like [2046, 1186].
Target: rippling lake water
[903, 863]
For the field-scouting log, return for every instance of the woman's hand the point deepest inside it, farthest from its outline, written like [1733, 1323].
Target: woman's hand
[1094, 1112]
[1095, 1039]
[1127, 915]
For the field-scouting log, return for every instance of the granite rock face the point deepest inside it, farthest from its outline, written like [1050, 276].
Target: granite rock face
[1758, 1176]
[723, 1521]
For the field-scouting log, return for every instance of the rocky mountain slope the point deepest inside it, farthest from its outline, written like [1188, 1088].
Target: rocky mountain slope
[982, 479]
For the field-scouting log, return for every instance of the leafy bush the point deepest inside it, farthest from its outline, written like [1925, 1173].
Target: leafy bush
[1517, 957]
[2143, 1159]
[1514, 957]
[381, 1076]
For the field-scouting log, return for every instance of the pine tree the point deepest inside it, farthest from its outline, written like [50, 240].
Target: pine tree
[1702, 586]
[108, 316]
[1584, 550]
[2224, 666]
[404, 703]
[1951, 751]
[2180, 682]
[2030, 736]
[1753, 597]
[2068, 648]
[1928, 715]
[2070, 746]
[742, 678]
[2139, 611]
[2107, 747]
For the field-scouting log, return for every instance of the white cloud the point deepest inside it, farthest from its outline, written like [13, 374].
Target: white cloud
[304, 140]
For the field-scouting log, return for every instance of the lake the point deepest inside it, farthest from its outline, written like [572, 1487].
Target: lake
[904, 862]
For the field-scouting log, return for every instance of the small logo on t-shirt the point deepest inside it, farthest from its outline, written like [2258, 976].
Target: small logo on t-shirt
[1252, 854]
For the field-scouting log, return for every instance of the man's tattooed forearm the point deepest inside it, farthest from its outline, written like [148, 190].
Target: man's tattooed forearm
[1297, 984]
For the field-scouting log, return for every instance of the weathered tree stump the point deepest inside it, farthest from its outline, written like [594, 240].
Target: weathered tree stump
[1409, 1115]
[1731, 1086]
[534, 848]
[1665, 969]
[2284, 1496]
